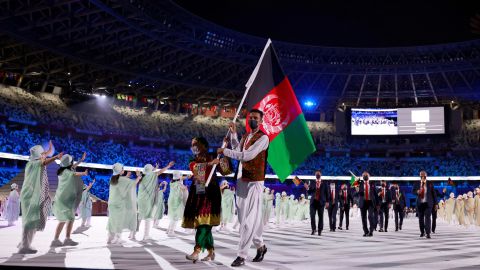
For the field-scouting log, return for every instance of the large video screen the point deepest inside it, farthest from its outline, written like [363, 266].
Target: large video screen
[400, 121]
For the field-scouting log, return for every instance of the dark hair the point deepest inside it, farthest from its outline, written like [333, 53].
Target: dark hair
[318, 170]
[61, 169]
[257, 111]
[202, 140]
[114, 179]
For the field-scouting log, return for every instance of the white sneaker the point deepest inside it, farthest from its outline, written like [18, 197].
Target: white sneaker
[69, 242]
[56, 243]
[27, 251]
[147, 239]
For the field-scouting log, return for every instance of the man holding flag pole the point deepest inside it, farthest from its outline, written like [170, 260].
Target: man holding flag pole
[277, 132]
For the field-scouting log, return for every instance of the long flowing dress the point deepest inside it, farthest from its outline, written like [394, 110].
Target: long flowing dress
[34, 197]
[67, 196]
[203, 208]
[228, 203]
[12, 207]
[122, 206]
[175, 201]
[268, 197]
[441, 210]
[159, 206]
[85, 205]
[283, 208]
[277, 208]
[477, 210]
[292, 214]
[449, 209]
[460, 211]
[146, 196]
[470, 209]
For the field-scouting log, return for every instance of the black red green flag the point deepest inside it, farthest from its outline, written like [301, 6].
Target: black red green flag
[271, 92]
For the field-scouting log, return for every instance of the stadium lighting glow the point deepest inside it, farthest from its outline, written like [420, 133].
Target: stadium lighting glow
[309, 103]
[97, 95]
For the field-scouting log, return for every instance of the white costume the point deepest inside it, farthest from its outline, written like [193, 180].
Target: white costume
[449, 208]
[13, 206]
[249, 194]
[268, 204]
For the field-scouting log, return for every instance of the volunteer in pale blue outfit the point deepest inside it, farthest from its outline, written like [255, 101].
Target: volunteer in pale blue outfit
[85, 206]
[67, 198]
[12, 210]
[146, 195]
[176, 203]
[122, 204]
[228, 205]
[159, 204]
[34, 196]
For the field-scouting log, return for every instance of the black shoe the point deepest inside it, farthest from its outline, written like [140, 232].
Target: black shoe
[239, 261]
[347, 228]
[386, 230]
[365, 234]
[428, 236]
[396, 229]
[370, 234]
[340, 228]
[433, 231]
[313, 232]
[319, 233]
[260, 253]
[400, 227]
[381, 230]
[333, 230]
[422, 235]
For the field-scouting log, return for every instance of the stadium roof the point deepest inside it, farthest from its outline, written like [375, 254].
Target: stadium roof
[345, 23]
[157, 48]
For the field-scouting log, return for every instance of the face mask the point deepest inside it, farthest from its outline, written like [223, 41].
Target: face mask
[317, 176]
[194, 150]
[365, 177]
[253, 123]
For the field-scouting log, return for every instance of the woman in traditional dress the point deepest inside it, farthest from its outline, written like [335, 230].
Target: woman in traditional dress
[203, 208]
[228, 205]
[122, 205]
[146, 195]
[159, 204]
[35, 199]
[13, 207]
[67, 198]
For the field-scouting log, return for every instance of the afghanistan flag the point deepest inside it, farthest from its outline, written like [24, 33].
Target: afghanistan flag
[270, 91]
[352, 180]
[296, 181]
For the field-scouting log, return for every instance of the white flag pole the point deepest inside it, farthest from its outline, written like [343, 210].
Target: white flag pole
[247, 85]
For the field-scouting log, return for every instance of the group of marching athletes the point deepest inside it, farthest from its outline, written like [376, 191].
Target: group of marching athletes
[200, 207]
[206, 203]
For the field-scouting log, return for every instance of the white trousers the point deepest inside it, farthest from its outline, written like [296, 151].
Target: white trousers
[249, 207]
